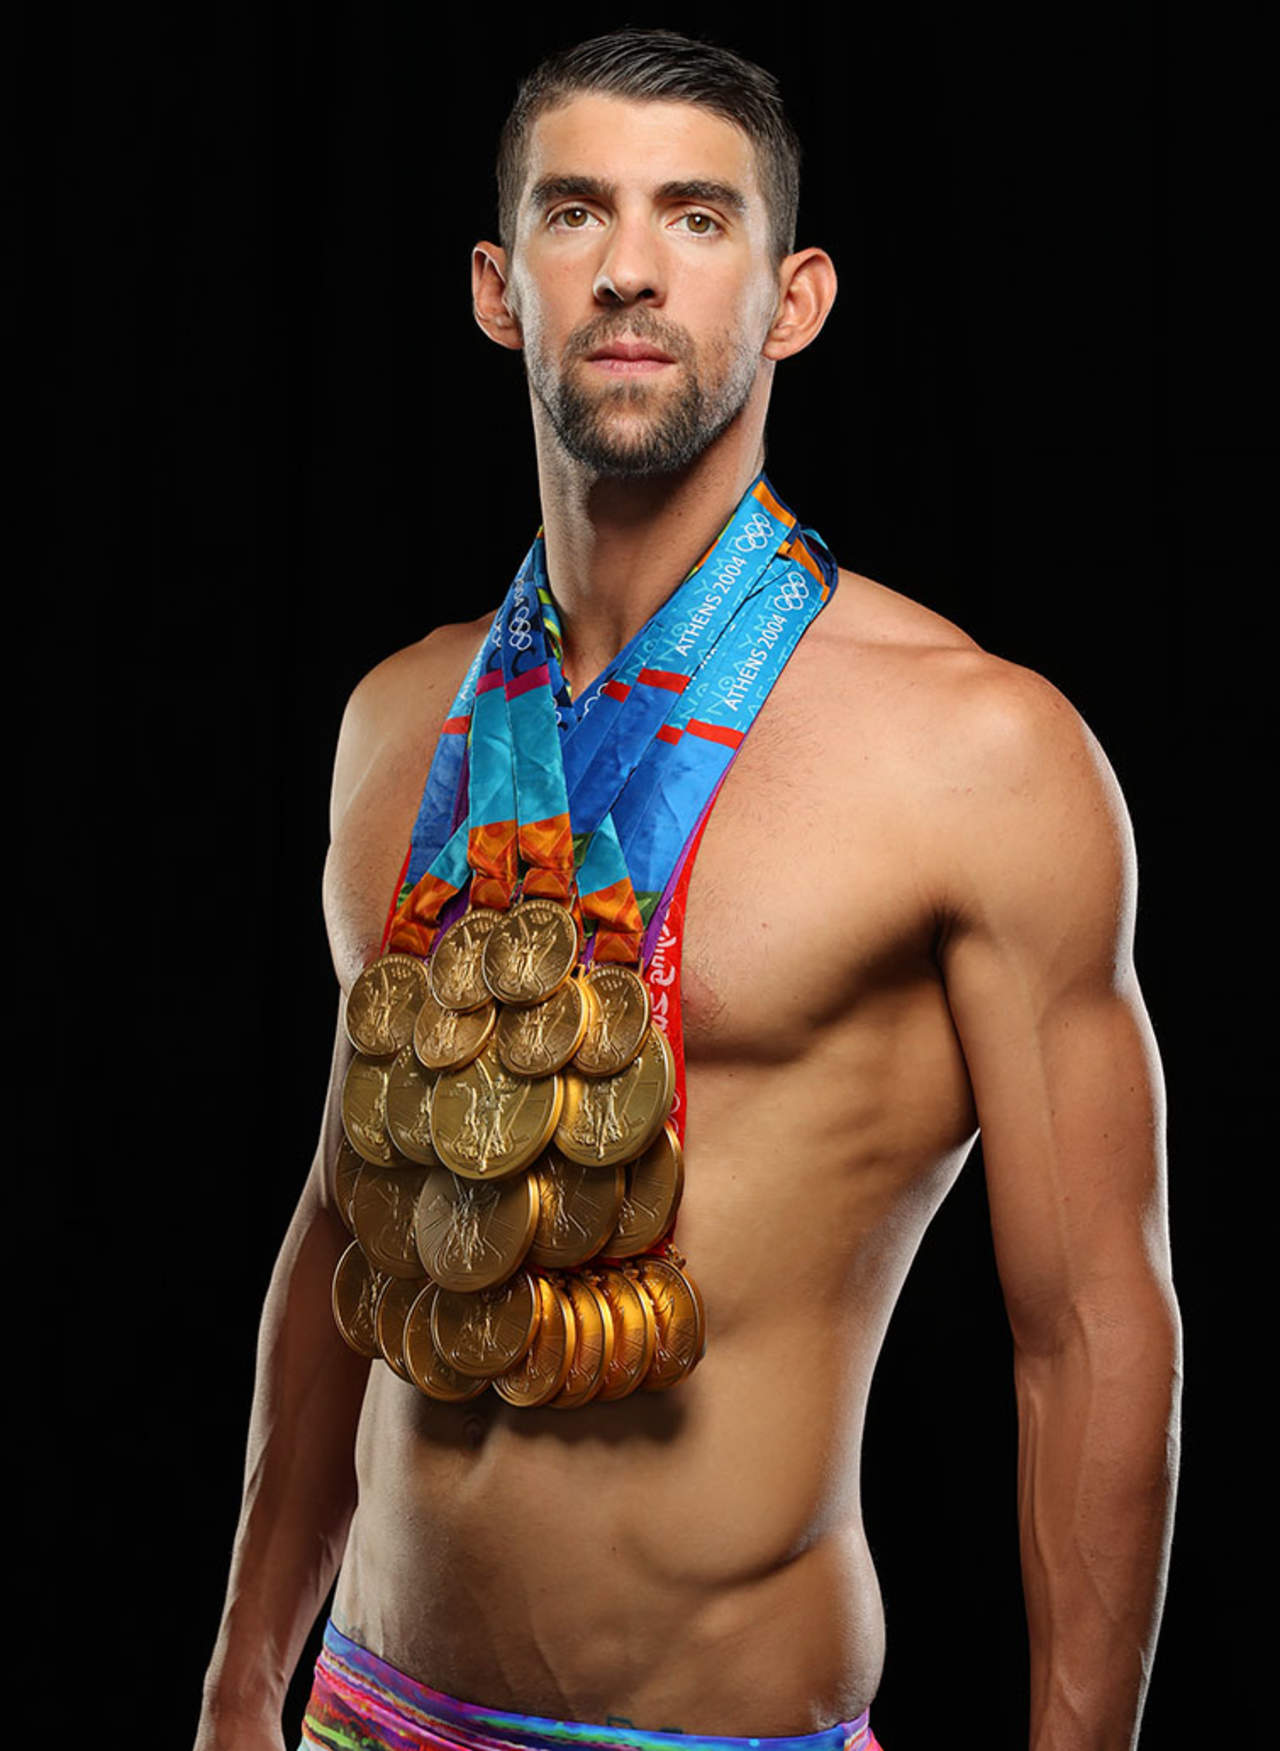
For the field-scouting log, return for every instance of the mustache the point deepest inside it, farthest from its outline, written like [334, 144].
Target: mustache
[639, 324]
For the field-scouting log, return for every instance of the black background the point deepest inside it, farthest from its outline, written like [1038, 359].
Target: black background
[270, 446]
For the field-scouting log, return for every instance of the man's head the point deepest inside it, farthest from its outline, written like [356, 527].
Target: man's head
[660, 66]
[647, 205]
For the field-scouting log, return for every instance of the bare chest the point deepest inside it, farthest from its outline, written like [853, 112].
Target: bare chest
[804, 900]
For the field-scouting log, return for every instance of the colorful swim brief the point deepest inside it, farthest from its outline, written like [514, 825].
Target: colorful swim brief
[359, 1703]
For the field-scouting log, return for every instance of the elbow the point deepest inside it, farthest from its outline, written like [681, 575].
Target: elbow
[1119, 1333]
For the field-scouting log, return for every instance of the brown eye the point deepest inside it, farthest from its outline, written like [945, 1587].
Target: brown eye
[700, 224]
[573, 217]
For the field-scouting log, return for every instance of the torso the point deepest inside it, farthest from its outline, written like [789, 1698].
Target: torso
[694, 1560]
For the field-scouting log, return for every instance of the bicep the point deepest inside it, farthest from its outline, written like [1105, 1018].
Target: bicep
[1060, 1051]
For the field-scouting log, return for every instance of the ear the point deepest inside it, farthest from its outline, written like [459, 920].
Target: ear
[490, 298]
[806, 292]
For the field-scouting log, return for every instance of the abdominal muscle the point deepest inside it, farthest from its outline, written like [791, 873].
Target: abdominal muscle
[646, 1569]
[690, 1560]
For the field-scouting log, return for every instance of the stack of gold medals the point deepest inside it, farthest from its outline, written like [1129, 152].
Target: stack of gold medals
[511, 1171]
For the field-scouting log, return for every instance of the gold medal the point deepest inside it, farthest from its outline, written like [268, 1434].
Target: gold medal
[655, 1184]
[542, 1372]
[427, 1368]
[636, 1332]
[346, 1170]
[354, 1297]
[487, 1123]
[383, 1003]
[454, 971]
[619, 1022]
[616, 1118]
[446, 1039]
[364, 1110]
[681, 1320]
[409, 1089]
[593, 1347]
[472, 1236]
[578, 1207]
[488, 1332]
[531, 952]
[382, 1212]
[540, 1038]
[397, 1297]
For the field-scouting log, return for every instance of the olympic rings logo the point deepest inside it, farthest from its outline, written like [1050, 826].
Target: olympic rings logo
[757, 533]
[518, 628]
[794, 592]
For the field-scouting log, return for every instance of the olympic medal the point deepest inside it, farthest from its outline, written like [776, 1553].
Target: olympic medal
[655, 1184]
[593, 1347]
[578, 1205]
[540, 1038]
[454, 970]
[354, 1297]
[364, 1110]
[487, 1123]
[346, 1170]
[487, 1332]
[636, 1332]
[397, 1297]
[382, 1005]
[619, 1021]
[382, 1212]
[409, 1089]
[472, 1236]
[446, 1039]
[616, 1118]
[426, 1367]
[542, 1371]
[531, 952]
[681, 1321]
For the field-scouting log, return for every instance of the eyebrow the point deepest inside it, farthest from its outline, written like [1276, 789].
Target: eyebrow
[594, 188]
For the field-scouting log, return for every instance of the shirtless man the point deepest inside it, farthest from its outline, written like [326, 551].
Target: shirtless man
[911, 915]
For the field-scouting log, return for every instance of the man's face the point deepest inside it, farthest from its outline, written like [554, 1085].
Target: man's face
[642, 278]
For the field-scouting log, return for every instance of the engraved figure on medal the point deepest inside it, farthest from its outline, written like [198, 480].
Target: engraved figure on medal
[364, 1110]
[473, 1211]
[452, 983]
[534, 1033]
[382, 1001]
[484, 1131]
[394, 1213]
[443, 1038]
[478, 1333]
[527, 952]
[619, 1023]
[558, 1209]
[420, 1130]
[373, 1130]
[370, 1289]
[613, 1014]
[600, 1120]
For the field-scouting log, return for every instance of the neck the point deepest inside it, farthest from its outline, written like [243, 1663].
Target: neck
[616, 549]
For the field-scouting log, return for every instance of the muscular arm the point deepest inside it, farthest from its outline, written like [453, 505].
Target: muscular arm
[300, 1480]
[1037, 957]
[299, 1484]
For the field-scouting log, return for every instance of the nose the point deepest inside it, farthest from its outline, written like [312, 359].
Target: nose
[630, 270]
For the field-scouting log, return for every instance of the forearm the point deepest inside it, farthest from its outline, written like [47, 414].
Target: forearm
[300, 1488]
[1098, 1418]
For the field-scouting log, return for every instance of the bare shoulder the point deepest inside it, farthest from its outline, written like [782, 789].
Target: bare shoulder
[395, 712]
[1003, 776]
[996, 723]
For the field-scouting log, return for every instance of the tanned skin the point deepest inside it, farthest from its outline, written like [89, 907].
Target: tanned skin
[912, 914]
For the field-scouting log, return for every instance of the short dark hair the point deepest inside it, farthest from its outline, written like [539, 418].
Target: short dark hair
[661, 66]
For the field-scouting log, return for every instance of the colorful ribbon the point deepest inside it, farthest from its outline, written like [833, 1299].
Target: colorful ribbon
[599, 798]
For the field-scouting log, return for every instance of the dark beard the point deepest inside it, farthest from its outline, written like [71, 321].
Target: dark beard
[686, 427]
